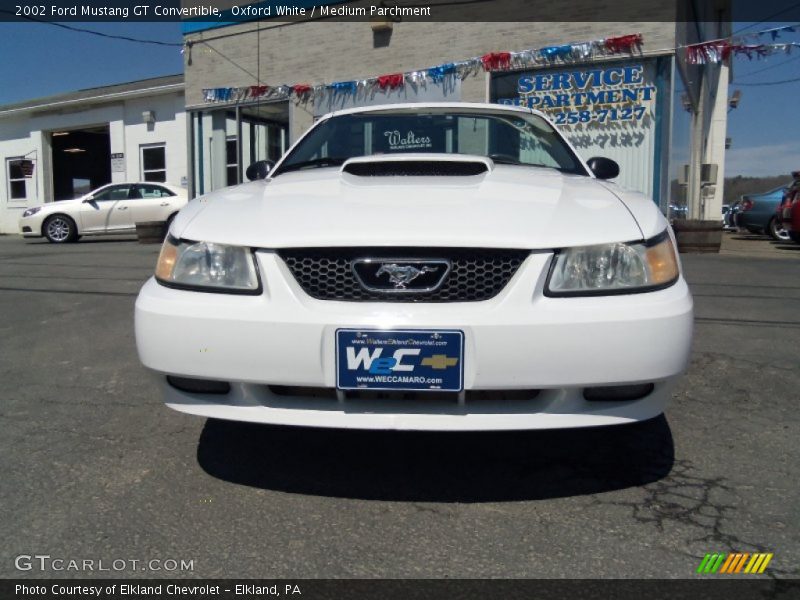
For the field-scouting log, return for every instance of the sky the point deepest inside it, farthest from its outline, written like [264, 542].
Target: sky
[41, 59]
[764, 129]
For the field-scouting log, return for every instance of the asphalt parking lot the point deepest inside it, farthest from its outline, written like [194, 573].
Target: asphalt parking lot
[95, 467]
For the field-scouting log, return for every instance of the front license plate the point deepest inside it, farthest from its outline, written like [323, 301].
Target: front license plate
[400, 359]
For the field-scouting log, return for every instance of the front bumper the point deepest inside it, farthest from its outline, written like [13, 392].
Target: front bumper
[519, 340]
[31, 227]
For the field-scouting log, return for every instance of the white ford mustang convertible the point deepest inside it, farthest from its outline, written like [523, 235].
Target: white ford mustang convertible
[423, 267]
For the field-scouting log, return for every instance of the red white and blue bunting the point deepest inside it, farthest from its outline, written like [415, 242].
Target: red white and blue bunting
[490, 62]
[709, 52]
[749, 45]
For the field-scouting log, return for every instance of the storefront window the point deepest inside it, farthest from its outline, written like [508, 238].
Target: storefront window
[619, 109]
[264, 132]
[226, 141]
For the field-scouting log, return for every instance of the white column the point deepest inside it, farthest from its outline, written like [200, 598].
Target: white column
[43, 175]
[715, 145]
[694, 188]
[219, 173]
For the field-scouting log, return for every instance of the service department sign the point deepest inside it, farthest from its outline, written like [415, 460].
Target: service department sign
[600, 95]
[608, 109]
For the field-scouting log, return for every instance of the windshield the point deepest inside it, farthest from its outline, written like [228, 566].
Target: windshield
[506, 138]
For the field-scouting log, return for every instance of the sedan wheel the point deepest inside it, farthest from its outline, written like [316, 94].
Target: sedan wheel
[777, 231]
[59, 229]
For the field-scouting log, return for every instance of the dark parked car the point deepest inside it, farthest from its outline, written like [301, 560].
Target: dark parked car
[758, 213]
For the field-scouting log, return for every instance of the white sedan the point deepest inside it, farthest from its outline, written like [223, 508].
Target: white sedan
[111, 209]
[422, 267]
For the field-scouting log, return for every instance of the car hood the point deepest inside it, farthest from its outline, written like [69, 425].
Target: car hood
[59, 205]
[508, 206]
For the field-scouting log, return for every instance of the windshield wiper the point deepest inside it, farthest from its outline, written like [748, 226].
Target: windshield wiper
[328, 161]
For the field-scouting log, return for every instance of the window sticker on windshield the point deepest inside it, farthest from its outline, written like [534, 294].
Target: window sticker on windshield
[398, 141]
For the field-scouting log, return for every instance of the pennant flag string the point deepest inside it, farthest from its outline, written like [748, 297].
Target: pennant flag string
[490, 62]
[719, 51]
[708, 52]
[716, 51]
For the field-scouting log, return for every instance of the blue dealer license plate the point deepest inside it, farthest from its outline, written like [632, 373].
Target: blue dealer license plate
[412, 360]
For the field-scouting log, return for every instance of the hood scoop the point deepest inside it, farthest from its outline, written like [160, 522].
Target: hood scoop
[418, 165]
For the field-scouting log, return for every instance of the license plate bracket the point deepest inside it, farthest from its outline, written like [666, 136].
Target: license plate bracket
[421, 360]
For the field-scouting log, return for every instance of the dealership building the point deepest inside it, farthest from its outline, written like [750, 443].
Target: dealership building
[63, 146]
[622, 90]
[254, 87]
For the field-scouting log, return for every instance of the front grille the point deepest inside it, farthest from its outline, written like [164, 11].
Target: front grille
[476, 273]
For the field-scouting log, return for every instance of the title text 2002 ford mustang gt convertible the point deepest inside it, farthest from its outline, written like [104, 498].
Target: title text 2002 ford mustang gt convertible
[426, 267]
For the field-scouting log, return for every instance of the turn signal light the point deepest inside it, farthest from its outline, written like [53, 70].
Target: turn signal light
[661, 262]
[166, 260]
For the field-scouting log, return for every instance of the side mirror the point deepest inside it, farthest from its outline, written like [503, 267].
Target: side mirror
[89, 200]
[259, 169]
[603, 168]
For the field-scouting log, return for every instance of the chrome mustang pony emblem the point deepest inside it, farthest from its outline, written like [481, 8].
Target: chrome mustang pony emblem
[397, 275]
[402, 275]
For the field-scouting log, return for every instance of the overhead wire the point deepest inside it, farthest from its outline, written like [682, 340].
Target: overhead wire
[231, 61]
[770, 82]
[769, 18]
[768, 68]
[112, 36]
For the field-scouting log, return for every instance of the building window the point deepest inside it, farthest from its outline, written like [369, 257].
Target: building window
[17, 182]
[154, 163]
[231, 164]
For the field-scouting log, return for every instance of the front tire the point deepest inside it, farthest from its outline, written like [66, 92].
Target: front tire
[777, 231]
[60, 229]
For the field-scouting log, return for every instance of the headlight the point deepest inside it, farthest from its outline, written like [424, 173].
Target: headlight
[31, 211]
[613, 268]
[205, 266]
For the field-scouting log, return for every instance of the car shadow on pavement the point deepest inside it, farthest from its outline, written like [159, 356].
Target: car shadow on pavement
[437, 466]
